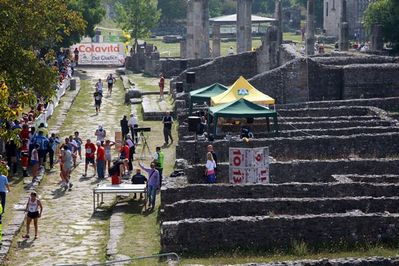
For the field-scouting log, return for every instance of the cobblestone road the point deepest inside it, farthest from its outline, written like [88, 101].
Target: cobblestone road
[68, 233]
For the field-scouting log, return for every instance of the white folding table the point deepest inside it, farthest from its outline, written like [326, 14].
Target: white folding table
[112, 189]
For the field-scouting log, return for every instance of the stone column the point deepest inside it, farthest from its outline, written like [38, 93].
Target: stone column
[244, 25]
[377, 42]
[268, 54]
[197, 38]
[279, 22]
[343, 38]
[216, 40]
[310, 40]
[183, 48]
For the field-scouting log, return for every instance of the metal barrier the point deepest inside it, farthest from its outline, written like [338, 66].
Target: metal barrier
[171, 254]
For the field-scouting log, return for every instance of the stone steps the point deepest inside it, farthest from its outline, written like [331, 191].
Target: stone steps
[171, 195]
[372, 178]
[279, 232]
[377, 145]
[220, 208]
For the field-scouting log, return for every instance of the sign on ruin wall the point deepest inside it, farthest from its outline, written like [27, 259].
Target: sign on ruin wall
[249, 165]
[100, 53]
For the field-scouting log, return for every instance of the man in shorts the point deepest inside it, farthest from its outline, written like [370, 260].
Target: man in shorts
[97, 101]
[110, 81]
[90, 154]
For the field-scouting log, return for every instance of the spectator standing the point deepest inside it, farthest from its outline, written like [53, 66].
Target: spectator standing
[153, 183]
[24, 134]
[34, 209]
[76, 56]
[133, 124]
[100, 161]
[100, 134]
[132, 150]
[4, 187]
[108, 156]
[210, 168]
[90, 155]
[159, 157]
[167, 121]
[11, 154]
[24, 157]
[138, 178]
[52, 148]
[34, 160]
[43, 142]
[230, 51]
[215, 158]
[124, 127]
[161, 86]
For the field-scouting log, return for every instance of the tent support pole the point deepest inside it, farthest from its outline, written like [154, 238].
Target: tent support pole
[268, 124]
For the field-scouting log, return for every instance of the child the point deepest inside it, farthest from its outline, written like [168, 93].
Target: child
[34, 210]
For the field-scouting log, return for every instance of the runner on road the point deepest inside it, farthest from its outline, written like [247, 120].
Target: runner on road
[90, 154]
[34, 208]
[110, 81]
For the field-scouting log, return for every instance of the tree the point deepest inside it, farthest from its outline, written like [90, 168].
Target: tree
[385, 13]
[172, 10]
[25, 29]
[91, 11]
[138, 17]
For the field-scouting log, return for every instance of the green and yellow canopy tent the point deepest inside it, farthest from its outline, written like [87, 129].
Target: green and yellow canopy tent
[242, 108]
[205, 94]
[242, 89]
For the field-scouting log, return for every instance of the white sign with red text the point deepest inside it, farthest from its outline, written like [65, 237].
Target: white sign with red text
[249, 165]
[100, 53]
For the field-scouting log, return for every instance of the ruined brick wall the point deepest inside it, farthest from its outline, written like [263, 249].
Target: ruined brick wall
[225, 70]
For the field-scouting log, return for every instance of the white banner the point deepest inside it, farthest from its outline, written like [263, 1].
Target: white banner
[100, 53]
[249, 165]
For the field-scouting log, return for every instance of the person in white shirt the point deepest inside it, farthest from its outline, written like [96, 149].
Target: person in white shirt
[230, 51]
[133, 124]
[210, 168]
[99, 86]
[100, 134]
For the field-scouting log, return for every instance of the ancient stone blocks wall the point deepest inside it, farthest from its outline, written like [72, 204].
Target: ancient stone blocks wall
[265, 232]
[225, 70]
[305, 171]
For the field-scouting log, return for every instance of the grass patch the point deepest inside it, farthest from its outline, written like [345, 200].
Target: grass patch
[241, 257]
[145, 83]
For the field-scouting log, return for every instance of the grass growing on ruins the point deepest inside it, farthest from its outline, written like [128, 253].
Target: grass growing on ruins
[147, 84]
[241, 257]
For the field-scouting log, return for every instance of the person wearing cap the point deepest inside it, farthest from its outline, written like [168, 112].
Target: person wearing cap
[100, 134]
[133, 124]
[138, 178]
[100, 161]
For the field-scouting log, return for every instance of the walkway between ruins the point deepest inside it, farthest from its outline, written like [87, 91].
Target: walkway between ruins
[68, 231]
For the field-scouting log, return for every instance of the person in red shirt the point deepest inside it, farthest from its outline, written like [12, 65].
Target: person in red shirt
[90, 154]
[24, 134]
[25, 156]
[161, 86]
[124, 153]
[100, 160]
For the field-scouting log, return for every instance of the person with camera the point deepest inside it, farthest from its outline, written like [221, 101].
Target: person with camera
[133, 125]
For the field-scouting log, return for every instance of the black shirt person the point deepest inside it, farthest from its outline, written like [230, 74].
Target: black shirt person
[167, 121]
[124, 127]
[138, 178]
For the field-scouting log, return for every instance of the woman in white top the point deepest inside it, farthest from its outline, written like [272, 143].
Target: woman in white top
[100, 134]
[34, 209]
[210, 168]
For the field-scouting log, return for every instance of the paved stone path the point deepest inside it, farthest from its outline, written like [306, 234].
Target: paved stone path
[69, 233]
